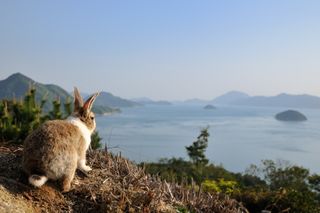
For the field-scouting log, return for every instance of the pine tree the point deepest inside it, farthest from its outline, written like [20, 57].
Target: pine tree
[67, 107]
[19, 118]
[95, 141]
[196, 151]
[55, 113]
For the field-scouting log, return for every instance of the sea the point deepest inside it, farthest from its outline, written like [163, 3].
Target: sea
[239, 135]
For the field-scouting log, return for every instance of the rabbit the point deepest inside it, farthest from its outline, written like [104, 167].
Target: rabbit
[58, 147]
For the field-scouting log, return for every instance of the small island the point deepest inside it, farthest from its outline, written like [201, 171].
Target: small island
[209, 107]
[290, 115]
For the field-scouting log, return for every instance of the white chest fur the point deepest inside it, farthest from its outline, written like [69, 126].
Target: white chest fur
[86, 133]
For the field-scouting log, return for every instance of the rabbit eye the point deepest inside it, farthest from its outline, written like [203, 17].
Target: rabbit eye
[91, 117]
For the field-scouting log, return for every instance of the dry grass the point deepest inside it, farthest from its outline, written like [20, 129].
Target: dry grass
[114, 185]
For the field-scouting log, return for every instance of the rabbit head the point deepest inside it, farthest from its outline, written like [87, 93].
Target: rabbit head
[82, 110]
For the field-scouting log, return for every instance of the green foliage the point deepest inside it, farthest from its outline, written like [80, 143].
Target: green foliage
[68, 106]
[18, 84]
[55, 113]
[179, 170]
[275, 186]
[314, 181]
[246, 181]
[226, 186]
[182, 209]
[290, 189]
[254, 199]
[196, 151]
[19, 118]
[198, 169]
[172, 170]
[95, 141]
[290, 177]
[295, 201]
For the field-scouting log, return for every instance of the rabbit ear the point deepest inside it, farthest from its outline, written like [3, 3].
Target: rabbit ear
[78, 101]
[88, 104]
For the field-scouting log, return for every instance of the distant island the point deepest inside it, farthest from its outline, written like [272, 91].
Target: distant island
[209, 107]
[290, 115]
[148, 101]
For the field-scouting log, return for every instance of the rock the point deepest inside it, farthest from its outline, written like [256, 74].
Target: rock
[290, 115]
[209, 107]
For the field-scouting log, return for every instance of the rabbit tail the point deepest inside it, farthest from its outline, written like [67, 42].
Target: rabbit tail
[37, 180]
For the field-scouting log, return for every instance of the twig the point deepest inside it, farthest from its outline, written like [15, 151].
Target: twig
[168, 187]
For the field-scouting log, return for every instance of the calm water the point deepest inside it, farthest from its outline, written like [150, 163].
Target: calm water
[239, 136]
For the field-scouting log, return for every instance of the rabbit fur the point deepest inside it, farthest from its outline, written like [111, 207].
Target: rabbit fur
[58, 147]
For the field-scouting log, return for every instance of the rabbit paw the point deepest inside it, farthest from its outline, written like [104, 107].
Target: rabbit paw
[86, 168]
[82, 166]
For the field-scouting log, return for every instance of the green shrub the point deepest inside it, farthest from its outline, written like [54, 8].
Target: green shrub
[20, 118]
[95, 141]
[196, 151]
[226, 186]
[275, 186]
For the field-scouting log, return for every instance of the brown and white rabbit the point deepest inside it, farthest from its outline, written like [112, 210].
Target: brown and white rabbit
[58, 147]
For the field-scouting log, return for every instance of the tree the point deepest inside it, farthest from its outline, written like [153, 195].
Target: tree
[55, 113]
[19, 118]
[196, 151]
[95, 141]
[68, 107]
[290, 189]
[314, 182]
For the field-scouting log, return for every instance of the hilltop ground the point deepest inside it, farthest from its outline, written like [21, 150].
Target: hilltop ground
[114, 185]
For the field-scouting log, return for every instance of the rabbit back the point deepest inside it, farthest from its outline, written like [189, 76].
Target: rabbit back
[52, 149]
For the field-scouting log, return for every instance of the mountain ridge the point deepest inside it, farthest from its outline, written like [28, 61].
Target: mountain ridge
[230, 97]
[108, 99]
[237, 98]
[282, 100]
[16, 85]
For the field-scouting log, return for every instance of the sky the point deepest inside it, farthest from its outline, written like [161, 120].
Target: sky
[164, 49]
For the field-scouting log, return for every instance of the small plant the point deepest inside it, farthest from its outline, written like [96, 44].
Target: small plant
[19, 118]
[95, 141]
[221, 185]
[196, 151]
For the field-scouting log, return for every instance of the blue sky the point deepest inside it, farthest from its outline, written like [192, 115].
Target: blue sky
[165, 49]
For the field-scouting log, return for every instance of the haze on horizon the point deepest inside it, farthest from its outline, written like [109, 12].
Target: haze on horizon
[170, 50]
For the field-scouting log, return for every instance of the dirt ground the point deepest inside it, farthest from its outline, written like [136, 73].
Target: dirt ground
[114, 185]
